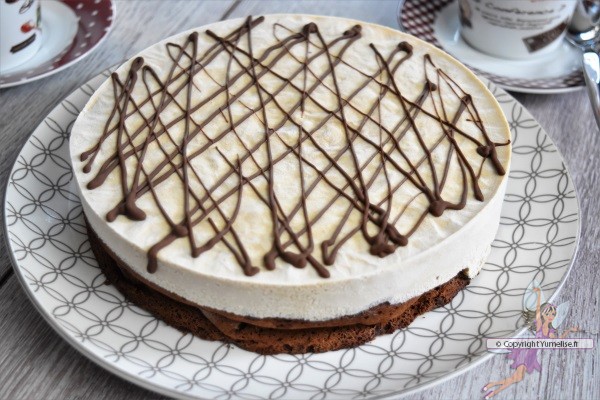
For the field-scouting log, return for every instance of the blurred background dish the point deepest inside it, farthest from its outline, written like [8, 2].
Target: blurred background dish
[72, 29]
[437, 21]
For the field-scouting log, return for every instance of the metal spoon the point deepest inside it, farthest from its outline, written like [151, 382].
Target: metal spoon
[591, 73]
[584, 32]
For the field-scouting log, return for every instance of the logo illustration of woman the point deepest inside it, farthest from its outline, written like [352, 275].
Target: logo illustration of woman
[546, 319]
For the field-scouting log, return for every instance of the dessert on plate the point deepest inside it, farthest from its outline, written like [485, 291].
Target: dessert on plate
[291, 183]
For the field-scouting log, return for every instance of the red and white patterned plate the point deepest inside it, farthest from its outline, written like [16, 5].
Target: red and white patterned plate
[434, 22]
[95, 21]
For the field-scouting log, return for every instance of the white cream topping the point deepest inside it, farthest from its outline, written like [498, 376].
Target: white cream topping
[439, 249]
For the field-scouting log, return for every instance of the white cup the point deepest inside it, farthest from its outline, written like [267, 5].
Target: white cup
[20, 33]
[516, 29]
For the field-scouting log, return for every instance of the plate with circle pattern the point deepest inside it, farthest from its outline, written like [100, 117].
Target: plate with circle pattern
[52, 258]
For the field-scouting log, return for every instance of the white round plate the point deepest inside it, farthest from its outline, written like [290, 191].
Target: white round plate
[51, 254]
[436, 21]
[72, 29]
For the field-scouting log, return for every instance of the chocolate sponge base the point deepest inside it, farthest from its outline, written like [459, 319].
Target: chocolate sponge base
[270, 335]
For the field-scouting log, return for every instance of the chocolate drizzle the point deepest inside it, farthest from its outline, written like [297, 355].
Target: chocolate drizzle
[191, 135]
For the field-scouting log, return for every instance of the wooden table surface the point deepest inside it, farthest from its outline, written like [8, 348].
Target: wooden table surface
[35, 363]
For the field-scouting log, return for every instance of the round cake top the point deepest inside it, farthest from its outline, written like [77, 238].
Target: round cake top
[288, 150]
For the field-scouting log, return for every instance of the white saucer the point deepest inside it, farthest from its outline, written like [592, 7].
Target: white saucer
[436, 21]
[564, 60]
[59, 27]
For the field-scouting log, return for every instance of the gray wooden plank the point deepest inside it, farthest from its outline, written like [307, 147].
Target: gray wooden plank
[36, 363]
[381, 12]
[22, 108]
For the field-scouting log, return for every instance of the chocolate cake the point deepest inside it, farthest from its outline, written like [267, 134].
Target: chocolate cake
[291, 183]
